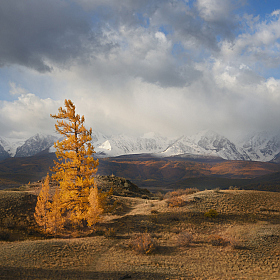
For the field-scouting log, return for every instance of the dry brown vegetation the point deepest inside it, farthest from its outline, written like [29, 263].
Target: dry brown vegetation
[241, 242]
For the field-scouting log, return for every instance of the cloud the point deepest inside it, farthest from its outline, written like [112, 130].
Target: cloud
[40, 34]
[26, 116]
[173, 67]
[16, 90]
[257, 47]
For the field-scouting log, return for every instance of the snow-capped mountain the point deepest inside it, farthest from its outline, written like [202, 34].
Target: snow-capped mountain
[258, 146]
[261, 146]
[207, 143]
[35, 145]
[122, 144]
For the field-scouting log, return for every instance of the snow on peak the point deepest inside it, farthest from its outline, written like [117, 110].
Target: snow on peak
[106, 146]
[259, 146]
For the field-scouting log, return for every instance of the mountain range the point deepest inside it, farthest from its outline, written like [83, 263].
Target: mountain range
[255, 147]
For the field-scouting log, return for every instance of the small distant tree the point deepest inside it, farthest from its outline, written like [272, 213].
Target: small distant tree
[76, 166]
[42, 206]
[95, 208]
[55, 220]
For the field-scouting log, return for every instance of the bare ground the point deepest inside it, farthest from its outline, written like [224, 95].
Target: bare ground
[248, 220]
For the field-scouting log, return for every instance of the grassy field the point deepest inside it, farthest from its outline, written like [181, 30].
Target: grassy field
[214, 234]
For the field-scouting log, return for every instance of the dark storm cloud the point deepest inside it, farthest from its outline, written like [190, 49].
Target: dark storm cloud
[37, 34]
[42, 34]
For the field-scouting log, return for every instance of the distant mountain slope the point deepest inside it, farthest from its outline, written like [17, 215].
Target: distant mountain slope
[3, 154]
[122, 144]
[35, 145]
[153, 172]
[261, 146]
[22, 170]
[207, 143]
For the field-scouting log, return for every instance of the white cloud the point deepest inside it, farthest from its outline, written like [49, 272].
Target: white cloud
[26, 116]
[259, 45]
[16, 90]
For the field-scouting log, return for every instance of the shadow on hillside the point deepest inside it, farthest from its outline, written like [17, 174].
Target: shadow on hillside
[156, 223]
[41, 273]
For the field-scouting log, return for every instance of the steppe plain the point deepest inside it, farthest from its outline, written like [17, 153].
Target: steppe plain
[248, 223]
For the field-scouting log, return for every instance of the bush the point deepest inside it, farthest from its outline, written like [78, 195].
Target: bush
[180, 192]
[176, 202]
[184, 239]
[211, 214]
[143, 244]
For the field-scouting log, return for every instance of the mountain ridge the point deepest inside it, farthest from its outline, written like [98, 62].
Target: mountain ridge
[260, 146]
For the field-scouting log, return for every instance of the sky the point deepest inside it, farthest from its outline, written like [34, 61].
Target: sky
[173, 67]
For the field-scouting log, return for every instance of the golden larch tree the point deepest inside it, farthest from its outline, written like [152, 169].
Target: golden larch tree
[95, 208]
[42, 206]
[55, 220]
[76, 166]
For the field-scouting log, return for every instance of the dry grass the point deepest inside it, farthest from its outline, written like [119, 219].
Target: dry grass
[247, 230]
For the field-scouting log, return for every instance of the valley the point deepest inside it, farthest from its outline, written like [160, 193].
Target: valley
[156, 173]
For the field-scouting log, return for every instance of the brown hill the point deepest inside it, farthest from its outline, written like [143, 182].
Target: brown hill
[155, 173]
[170, 173]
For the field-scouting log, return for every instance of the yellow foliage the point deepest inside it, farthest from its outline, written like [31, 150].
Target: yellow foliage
[76, 166]
[95, 208]
[41, 209]
[48, 214]
[55, 219]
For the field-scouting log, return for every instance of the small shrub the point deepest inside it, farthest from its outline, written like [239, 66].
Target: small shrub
[159, 195]
[211, 214]
[184, 239]
[143, 244]
[176, 202]
[180, 192]
[110, 233]
[234, 244]
[217, 240]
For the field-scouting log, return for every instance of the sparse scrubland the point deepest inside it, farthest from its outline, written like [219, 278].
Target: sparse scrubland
[147, 238]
